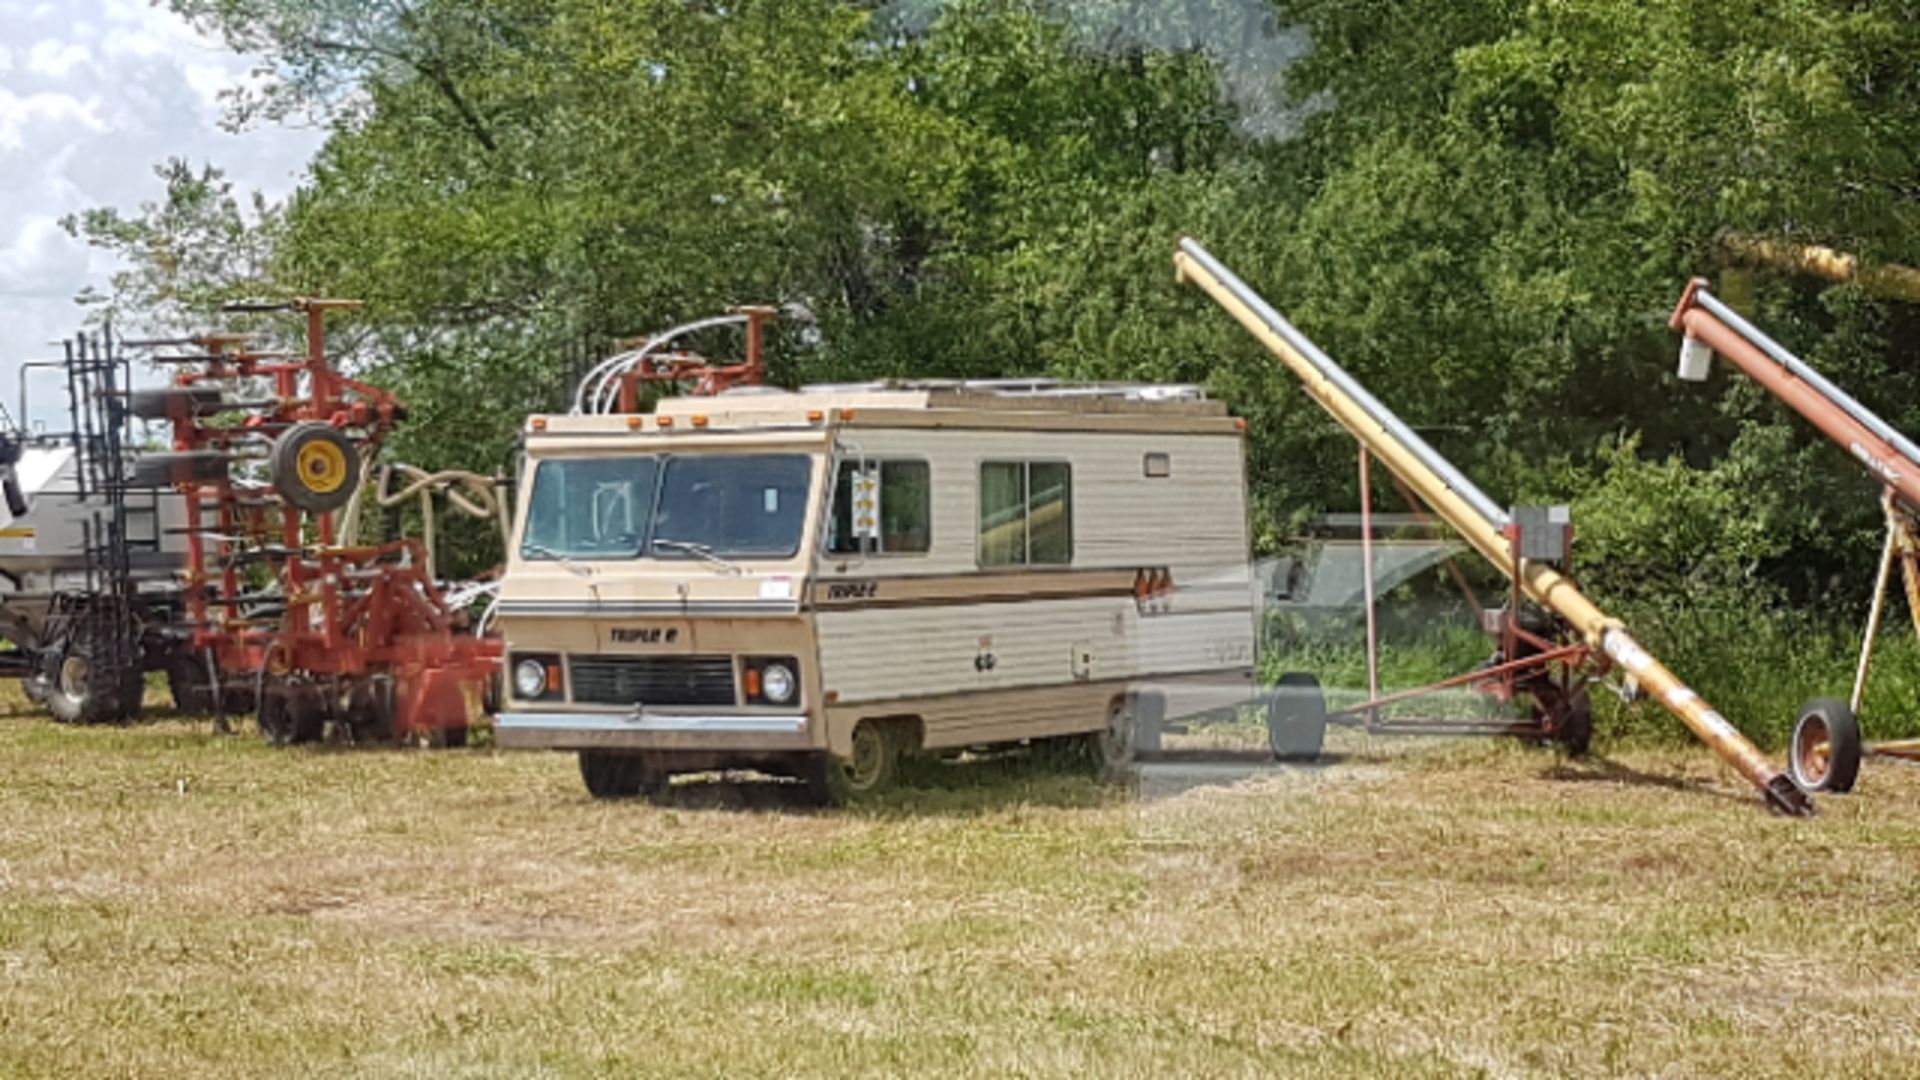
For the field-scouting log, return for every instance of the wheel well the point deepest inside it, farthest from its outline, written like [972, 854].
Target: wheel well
[908, 729]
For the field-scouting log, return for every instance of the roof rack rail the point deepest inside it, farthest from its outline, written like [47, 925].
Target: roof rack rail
[1036, 387]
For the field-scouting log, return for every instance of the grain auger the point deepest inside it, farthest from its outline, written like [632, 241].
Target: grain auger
[1491, 531]
[1826, 749]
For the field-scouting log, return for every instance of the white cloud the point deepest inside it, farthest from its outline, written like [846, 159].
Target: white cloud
[208, 80]
[109, 89]
[56, 58]
[53, 115]
[41, 262]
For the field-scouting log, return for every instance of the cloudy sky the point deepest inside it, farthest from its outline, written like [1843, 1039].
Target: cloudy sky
[93, 94]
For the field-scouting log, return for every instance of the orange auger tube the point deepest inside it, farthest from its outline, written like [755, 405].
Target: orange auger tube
[1479, 520]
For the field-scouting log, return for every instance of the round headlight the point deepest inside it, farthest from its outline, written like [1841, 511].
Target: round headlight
[530, 678]
[776, 683]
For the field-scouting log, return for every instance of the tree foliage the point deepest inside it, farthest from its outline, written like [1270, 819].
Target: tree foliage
[1485, 209]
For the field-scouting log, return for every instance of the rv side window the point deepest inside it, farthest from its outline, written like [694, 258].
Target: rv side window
[906, 519]
[1026, 513]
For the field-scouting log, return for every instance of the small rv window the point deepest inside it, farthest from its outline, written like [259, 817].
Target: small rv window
[906, 497]
[1026, 513]
[1158, 465]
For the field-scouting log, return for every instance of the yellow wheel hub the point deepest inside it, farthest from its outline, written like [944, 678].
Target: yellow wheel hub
[323, 466]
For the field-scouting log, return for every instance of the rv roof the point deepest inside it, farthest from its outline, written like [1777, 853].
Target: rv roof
[1025, 395]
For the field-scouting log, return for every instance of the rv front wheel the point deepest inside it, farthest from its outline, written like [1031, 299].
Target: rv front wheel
[868, 769]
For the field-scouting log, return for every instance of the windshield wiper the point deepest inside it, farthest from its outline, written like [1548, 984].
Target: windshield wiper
[560, 557]
[703, 552]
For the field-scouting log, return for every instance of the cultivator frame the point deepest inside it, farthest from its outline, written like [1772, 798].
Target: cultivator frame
[348, 640]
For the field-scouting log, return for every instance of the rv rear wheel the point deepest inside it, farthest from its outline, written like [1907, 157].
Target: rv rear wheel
[621, 776]
[1111, 748]
[1107, 753]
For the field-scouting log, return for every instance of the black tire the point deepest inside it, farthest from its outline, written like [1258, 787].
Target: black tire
[159, 403]
[35, 687]
[872, 768]
[1826, 749]
[1110, 750]
[1297, 718]
[369, 712]
[17, 502]
[621, 776]
[291, 714]
[186, 467]
[1575, 732]
[81, 692]
[193, 693]
[315, 467]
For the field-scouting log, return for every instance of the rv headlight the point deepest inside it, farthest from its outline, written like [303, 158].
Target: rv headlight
[776, 683]
[530, 678]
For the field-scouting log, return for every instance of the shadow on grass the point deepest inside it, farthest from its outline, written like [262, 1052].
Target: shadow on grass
[1594, 768]
[925, 788]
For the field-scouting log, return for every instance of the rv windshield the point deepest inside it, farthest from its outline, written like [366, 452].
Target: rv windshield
[742, 505]
[590, 508]
[676, 507]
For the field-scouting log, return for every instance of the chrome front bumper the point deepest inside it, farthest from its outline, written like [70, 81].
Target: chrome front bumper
[647, 730]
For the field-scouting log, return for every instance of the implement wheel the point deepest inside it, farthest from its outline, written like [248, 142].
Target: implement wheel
[83, 692]
[291, 713]
[1297, 718]
[1826, 750]
[315, 467]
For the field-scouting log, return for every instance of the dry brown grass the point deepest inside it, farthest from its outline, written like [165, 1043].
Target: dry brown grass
[172, 903]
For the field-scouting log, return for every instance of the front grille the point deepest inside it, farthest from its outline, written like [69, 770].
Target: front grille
[653, 680]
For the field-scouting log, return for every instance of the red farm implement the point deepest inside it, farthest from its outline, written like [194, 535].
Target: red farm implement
[283, 604]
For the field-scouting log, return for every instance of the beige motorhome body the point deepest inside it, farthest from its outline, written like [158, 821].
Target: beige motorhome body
[1038, 556]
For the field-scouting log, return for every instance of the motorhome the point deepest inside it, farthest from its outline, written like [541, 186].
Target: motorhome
[814, 583]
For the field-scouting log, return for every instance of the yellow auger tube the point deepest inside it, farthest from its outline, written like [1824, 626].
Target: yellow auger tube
[1470, 512]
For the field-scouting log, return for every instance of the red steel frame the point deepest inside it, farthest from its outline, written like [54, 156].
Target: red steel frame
[1530, 664]
[706, 378]
[1896, 471]
[350, 611]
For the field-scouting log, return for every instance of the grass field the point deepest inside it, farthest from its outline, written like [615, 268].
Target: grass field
[172, 903]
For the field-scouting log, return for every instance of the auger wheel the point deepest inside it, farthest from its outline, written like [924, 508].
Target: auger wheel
[1826, 749]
